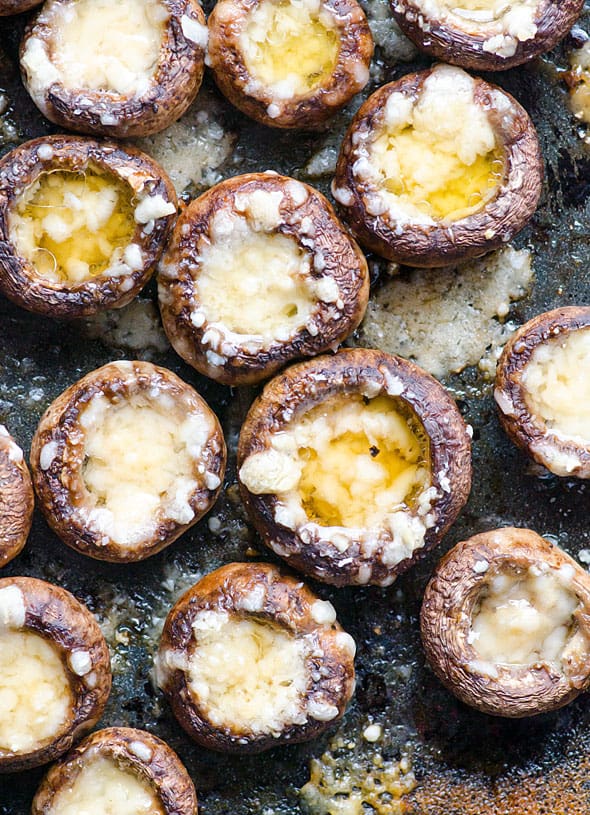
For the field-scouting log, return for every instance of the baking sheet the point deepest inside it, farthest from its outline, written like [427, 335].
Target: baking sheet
[435, 755]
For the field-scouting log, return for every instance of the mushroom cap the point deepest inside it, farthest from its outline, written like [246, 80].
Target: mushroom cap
[16, 498]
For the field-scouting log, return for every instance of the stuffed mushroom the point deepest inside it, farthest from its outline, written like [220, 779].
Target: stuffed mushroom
[250, 658]
[16, 498]
[82, 224]
[506, 623]
[352, 466]
[126, 460]
[438, 167]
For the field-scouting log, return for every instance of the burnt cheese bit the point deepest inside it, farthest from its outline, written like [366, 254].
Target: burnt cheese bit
[16, 498]
[82, 224]
[486, 35]
[289, 63]
[54, 672]
[126, 460]
[542, 390]
[118, 769]
[505, 623]
[250, 658]
[438, 167]
[352, 466]
[259, 272]
[114, 69]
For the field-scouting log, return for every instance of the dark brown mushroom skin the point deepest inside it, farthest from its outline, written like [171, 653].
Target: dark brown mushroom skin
[287, 604]
[306, 111]
[59, 488]
[447, 608]
[22, 166]
[16, 499]
[164, 771]
[8, 7]
[526, 431]
[425, 245]
[172, 89]
[307, 384]
[458, 47]
[343, 259]
[56, 615]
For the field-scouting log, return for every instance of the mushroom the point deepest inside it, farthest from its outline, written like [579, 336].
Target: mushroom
[542, 390]
[82, 224]
[289, 64]
[438, 167]
[505, 623]
[489, 36]
[118, 769]
[8, 7]
[120, 70]
[353, 466]
[250, 658]
[259, 272]
[55, 675]
[126, 460]
[16, 498]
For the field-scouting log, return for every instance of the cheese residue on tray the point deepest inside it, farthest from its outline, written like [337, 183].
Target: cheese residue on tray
[447, 319]
[135, 328]
[580, 92]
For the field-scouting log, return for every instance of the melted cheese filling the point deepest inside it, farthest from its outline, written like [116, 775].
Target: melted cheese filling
[139, 465]
[580, 93]
[523, 618]
[103, 787]
[71, 226]
[435, 156]
[557, 386]
[290, 46]
[108, 45]
[255, 283]
[247, 675]
[35, 696]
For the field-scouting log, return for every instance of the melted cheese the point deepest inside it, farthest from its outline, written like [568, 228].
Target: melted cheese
[107, 45]
[557, 387]
[139, 465]
[255, 282]
[35, 696]
[523, 619]
[103, 787]
[290, 46]
[72, 227]
[436, 157]
[248, 675]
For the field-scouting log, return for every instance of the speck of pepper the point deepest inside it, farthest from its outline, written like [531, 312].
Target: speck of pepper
[374, 451]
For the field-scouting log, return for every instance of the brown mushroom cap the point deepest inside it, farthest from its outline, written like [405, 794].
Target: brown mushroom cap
[443, 242]
[352, 372]
[58, 452]
[261, 592]
[257, 100]
[466, 42]
[562, 456]
[56, 615]
[141, 752]
[8, 7]
[16, 498]
[171, 90]
[511, 690]
[147, 182]
[303, 215]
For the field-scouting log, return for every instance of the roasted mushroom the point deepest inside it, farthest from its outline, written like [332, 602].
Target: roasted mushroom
[486, 36]
[289, 63]
[438, 167]
[352, 466]
[118, 770]
[16, 498]
[115, 69]
[82, 224]
[8, 7]
[250, 658]
[506, 623]
[55, 675]
[126, 460]
[543, 392]
[259, 272]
